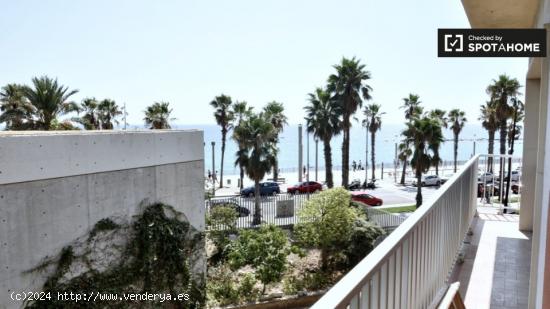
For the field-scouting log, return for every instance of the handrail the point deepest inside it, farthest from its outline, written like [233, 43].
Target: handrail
[399, 264]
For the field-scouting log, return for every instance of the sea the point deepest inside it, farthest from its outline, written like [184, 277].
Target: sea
[472, 135]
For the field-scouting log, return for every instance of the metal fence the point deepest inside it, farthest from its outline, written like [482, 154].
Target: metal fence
[384, 219]
[278, 209]
[491, 190]
[413, 263]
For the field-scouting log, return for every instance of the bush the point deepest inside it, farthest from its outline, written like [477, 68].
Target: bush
[223, 222]
[361, 243]
[326, 222]
[265, 249]
[220, 286]
[309, 281]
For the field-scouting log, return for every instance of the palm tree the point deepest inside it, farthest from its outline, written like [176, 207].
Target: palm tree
[501, 90]
[323, 120]
[424, 134]
[256, 135]
[241, 111]
[16, 110]
[90, 119]
[108, 112]
[517, 115]
[49, 100]
[274, 111]
[457, 119]
[404, 154]
[224, 118]
[373, 122]
[489, 121]
[439, 115]
[157, 116]
[349, 89]
[411, 105]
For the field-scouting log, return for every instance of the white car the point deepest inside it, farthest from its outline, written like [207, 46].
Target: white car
[486, 177]
[430, 180]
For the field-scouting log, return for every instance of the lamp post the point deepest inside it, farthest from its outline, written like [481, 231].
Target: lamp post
[367, 150]
[214, 176]
[307, 162]
[300, 153]
[316, 158]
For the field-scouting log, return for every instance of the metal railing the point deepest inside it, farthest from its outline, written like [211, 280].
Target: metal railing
[413, 263]
[491, 190]
[279, 209]
[386, 220]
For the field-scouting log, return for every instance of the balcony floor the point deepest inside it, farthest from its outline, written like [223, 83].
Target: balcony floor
[495, 272]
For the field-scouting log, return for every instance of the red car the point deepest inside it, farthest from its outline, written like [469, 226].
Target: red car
[304, 187]
[366, 198]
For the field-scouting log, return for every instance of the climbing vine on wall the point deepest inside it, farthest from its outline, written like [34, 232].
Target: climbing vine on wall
[153, 254]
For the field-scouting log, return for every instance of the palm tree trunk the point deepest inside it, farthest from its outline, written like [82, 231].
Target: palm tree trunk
[455, 151]
[328, 163]
[437, 164]
[372, 157]
[503, 130]
[257, 210]
[418, 187]
[491, 149]
[404, 171]
[511, 152]
[275, 170]
[345, 153]
[241, 176]
[224, 134]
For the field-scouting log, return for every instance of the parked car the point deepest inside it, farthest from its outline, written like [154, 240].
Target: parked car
[266, 188]
[304, 187]
[515, 188]
[429, 180]
[241, 211]
[486, 177]
[366, 198]
[515, 176]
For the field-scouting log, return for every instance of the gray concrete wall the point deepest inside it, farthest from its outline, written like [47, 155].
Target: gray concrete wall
[55, 187]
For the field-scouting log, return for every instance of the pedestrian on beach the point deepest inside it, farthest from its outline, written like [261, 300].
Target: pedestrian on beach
[215, 176]
[354, 165]
[209, 175]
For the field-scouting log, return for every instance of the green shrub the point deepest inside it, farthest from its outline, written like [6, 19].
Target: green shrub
[363, 236]
[326, 222]
[247, 288]
[220, 286]
[222, 221]
[265, 249]
[309, 281]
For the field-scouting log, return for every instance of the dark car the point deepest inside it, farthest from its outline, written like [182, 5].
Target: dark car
[515, 188]
[241, 211]
[366, 198]
[266, 188]
[305, 187]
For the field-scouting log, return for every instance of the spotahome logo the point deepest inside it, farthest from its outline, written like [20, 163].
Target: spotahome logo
[491, 42]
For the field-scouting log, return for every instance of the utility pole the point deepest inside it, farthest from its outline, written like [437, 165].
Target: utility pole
[367, 151]
[300, 176]
[307, 162]
[395, 165]
[474, 144]
[316, 158]
[214, 176]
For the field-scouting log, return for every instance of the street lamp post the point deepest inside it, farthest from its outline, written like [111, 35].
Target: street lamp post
[213, 170]
[307, 161]
[316, 158]
[367, 151]
[300, 153]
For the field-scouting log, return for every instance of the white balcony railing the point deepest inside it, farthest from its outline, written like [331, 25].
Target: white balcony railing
[412, 265]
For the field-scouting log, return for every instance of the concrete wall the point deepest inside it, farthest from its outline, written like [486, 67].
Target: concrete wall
[55, 187]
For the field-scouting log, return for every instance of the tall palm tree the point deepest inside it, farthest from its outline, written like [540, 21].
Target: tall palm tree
[241, 111]
[439, 115]
[16, 110]
[424, 134]
[157, 116]
[489, 121]
[517, 115]
[108, 112]
[90, 119]
[274, 111]
[49, 100]
[373, 122]
[323, 120]
[405, 153]
[457, 119]
[501, 90]
[224, 118]
[411, 105]
[256, 135]
[349, 89]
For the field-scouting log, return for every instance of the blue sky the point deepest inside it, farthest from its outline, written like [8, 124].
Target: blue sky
[187, 52]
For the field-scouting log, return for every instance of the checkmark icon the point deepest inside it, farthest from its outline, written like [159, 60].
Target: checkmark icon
[453, 43]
